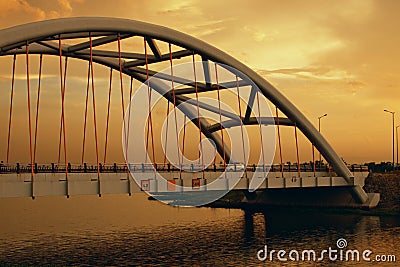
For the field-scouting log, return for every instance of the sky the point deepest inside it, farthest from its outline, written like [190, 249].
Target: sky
[334, 57]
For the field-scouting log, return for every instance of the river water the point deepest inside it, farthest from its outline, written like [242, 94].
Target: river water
[133, 231]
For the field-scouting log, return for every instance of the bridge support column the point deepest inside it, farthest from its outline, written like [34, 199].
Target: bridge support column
[32, 187]
[359, 195]
[250, 195]
[203, 184]
[179, 183]
[128, 177]
[248, 224]
[99, 185]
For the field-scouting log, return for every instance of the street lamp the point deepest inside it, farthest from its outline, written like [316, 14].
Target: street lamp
[392, 112]
[397, 145]
[319, 121]
[319, 130]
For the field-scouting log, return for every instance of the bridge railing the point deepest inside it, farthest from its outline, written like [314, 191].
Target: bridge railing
[117, 168]
[358, 168]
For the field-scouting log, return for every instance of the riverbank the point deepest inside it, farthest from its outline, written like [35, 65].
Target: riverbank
[388, 185]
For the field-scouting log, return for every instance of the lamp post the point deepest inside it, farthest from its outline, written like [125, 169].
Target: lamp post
[392, 112]
[397, 145]
[319, 130]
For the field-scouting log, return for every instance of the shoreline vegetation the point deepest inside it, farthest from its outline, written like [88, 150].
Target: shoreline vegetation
[387, 184]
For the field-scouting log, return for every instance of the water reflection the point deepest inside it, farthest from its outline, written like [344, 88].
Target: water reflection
[134, 231]
[287, 221]
[289, 229]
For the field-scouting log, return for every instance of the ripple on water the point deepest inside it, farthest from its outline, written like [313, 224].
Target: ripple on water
[197, 237]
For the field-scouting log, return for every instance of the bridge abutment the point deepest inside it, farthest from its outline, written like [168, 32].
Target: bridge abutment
[313, 197]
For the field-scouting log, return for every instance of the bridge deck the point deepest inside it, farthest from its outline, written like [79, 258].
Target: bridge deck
[104, 168]
[22, 184]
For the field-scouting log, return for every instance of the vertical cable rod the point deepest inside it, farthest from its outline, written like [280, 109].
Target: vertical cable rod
[297, 150]
[241, 126]
[37, 107]
[28, 85]
[11, 107]
[166, 135]
[176, 121]
[220, 117]
[201, 155]
[94, 105]
[86, 111]
[108, 116]
[261, 133]
[279, 141]
[150, 121]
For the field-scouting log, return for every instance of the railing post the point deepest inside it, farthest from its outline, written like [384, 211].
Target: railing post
[36, 168]
[53, 169]
[115, 167]
[84, 167]
[18, 168]
[69, 167]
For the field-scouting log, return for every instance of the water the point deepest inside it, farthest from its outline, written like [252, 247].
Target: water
[122, 230]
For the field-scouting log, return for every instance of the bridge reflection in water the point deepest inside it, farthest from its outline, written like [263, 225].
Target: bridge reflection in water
[121, 230]
[285, 221]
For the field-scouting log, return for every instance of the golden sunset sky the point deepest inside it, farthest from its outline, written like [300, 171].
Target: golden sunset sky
[335, 57]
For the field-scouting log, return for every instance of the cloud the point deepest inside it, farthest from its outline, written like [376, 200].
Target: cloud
[65, 6]
[63, 9]
[356, 84]
[314, 72]
[206, 28]
[27, 12]
[178, 9]
[260, 35]
[22, 8]
[370, 52]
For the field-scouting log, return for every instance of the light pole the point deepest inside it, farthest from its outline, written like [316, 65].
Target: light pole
[392, 112]
[397, 145]
[319, 130]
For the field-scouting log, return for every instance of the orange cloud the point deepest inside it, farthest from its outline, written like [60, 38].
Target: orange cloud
[25, 11]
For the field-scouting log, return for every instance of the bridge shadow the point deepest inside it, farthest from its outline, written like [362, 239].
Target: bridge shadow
[272, 222]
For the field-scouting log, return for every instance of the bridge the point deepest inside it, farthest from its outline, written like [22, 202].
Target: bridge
[193, 123]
